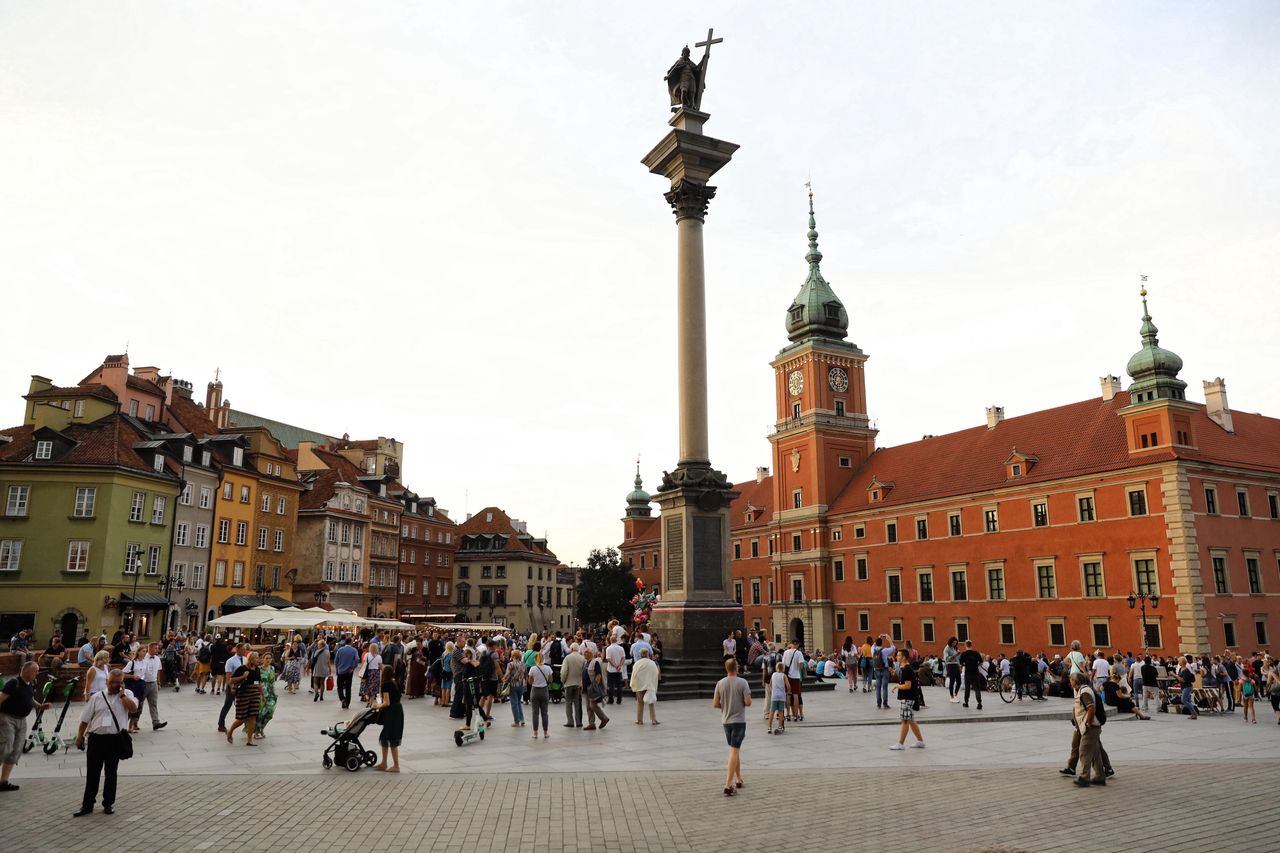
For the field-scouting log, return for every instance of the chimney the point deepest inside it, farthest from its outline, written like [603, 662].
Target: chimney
[761, 473]
[39, 383]
[995, 414]
[1110, 387]
[213, 397]
[182, 388]
[1215, 403]
[149, 373]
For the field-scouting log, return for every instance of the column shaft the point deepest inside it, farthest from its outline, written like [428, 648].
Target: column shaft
[691, 311]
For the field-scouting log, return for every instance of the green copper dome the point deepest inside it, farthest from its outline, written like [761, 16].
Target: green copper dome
[816, 312]
[1154, 369]
[638, 501]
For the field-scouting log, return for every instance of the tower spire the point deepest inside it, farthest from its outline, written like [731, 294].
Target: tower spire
[816, 312]
[1153, 368]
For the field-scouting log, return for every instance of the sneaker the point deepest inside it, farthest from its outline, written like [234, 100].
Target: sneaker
[955, 700]
[158, 726]
[918, 745]
[8, 786]
[1080, 783]
[1109, 773]
[1067, 771]
[896, 747]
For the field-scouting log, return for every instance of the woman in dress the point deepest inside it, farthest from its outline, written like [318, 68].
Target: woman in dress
[373, 674]
[417, 684]
[318, 667]
[134, 683]
[294, 656]
[446, 679]
[388, 702]
[248, 683]
[267, 676]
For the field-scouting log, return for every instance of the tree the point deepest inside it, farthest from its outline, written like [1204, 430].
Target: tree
[605, 588]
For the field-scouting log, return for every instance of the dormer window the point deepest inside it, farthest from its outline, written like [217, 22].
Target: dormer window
[186, 453]
[237, 456]
[159, 463]
[875, 495]
[797, 313]
[1016, 470]
[833, 312]
[878, 490]
[44, 449]
[205, 459]
[1018, 464]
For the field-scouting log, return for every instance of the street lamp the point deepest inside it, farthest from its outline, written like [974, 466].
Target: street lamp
[321, 597]
[1141, 602]
[169, 585]
[375, 601]
[133, 598]
[261, 590]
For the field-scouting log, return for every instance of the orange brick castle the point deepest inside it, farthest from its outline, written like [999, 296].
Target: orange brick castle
[1026, 532]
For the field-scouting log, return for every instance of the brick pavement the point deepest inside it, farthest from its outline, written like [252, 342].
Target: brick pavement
[1024, 808]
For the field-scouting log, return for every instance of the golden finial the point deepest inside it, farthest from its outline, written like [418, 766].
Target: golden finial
[1143, 292]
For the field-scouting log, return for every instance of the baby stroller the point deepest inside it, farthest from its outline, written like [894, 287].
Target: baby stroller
[555, 690]
[346, 750]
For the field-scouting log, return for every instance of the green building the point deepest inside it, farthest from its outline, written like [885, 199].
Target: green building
[86, 524]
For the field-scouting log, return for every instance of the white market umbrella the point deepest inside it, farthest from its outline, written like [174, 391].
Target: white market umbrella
[251, 618]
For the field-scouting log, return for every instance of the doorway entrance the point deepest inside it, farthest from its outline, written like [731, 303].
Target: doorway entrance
[797, 631]
[67, 628]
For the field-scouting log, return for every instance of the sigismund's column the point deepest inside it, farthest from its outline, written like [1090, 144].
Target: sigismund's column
[697, 607]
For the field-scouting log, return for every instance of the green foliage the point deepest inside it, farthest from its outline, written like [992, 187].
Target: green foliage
[605, 588]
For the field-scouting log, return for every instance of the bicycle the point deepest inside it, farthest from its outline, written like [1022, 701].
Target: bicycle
[1003, 685]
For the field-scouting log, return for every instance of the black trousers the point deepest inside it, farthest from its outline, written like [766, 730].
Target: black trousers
[344, 688]
[226, 705]
[103, 755]
[613, 687]
[975, 682]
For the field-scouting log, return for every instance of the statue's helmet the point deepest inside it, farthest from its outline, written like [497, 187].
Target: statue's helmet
[684, 54]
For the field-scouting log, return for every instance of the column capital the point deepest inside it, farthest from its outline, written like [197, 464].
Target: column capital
[689, 200]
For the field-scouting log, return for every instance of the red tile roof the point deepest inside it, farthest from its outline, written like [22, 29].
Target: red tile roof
[322, 489]
[91, 390]
[493, 521]
[144, 385]
[1254, 444]
[107, 441]
[191, 417]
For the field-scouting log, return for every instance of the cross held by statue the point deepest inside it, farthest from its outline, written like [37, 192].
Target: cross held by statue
[710, 41]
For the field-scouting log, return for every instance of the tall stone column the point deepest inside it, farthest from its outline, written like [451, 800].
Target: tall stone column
[697, 607]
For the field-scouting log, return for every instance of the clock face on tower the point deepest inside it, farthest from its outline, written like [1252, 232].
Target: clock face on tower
[839, 380]
[795, 383]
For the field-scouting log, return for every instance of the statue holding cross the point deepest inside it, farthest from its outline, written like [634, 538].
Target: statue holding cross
[687, 80]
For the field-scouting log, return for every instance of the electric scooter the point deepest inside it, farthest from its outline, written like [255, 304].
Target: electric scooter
[55, 741]
[462, 737]
[37, 734]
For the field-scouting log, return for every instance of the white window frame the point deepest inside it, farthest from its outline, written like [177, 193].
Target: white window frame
[85, 502]
[242, 532]
[202, 536]
[262, 538]
[153, 560]
[220, 573]
[181, 533]
[185, 497]
[10, 555]
[158, 507]
[18, 502]
[266, 502]
[197, 575]
[206, 497]
[44, 449]
[281, 504]
[224, 531]
[278, 543]
[237, 573]
[137, 506]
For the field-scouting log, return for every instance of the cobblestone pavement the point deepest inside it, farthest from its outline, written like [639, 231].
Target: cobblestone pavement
[905, 809]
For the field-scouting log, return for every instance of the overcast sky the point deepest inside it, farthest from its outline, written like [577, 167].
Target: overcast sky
[430, 221]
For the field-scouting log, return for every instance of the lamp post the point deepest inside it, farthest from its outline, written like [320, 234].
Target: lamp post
[133, 598]
[321, 597]
[169, 585]
[261, 590]
[375, 601]
[1140, 601]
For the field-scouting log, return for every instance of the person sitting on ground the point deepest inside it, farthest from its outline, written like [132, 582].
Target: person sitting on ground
[1117, 694]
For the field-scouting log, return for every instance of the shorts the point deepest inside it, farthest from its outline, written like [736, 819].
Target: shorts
[795, 684]
[446, 681]
[13, 732]
[488, 687]
[779, 705]
[202, 668]
[907, 709]
[734, 733]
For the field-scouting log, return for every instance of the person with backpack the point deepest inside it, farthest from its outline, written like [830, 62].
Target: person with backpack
[794, 664]
[1087, 739]
[1247, 691]
[1187, 679]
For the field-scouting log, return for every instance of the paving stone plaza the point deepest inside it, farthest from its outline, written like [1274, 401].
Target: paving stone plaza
[986, 781]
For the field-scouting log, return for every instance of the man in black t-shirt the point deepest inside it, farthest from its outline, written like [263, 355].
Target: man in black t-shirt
[907, 682]
[19, 698]
[1150, 683]
[970, 661]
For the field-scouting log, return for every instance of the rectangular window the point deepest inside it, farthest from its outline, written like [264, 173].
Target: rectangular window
[1273, 504]
[220, 573]
[197, 576]
[926, 630]
[795, 542]
[953, 524]
[346, 532]
[78, 555]
[133, 408]
[845, 461]
[895, 588]
[181, 532]
[991, 519]
[959, 585]
[1260, 630]
[1145, 574]
[1057, 634]
[187, 452]
[206, 497]
[1210, 500]
[153, 560]
[328, 570]
[962, 630]
[864, 620]
[891, 531]
[922, 528]
[180, 573]
[1229, 633]
[226, 490]
[859, 531]
[1046, 583]
[1006, 633]
[1219, 575]
[277, 543]
[10, 554]
[1093, 587]
[79, 409]
[242, 532]
[925, 580]
[132, 558]
[737, 550]
[737, 591]
[755, 547]
[262, 538]
[797, 589]
[282, 505]
[755, 592]
[158, 507]
[244, 494]
[860, 567]
[44, 449]
[838, 567]
[995, 584]
[895, 630]
[1085, 507]
[237, 573]
[260, 575]
[1040, 514]
[1101, 635]
[797, 499]
[836, 535]
[1242, 503]
[1255, 579]
[16, 506]
[266, 502]
[332, 535]
[1137, 502]
[1153, 635]
[137, 506]
[185, 497]
[202, 536]
[840, 413]
[839, 620]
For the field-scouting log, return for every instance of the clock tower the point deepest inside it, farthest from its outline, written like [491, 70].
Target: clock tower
[822, 436]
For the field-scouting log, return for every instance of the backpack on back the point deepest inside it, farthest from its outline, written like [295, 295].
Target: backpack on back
[204, 655]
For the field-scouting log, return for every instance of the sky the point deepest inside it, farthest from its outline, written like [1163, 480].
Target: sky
[430, 221]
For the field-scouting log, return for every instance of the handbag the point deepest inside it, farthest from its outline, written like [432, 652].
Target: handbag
[595, 690]
[124, 741]
[328, 683]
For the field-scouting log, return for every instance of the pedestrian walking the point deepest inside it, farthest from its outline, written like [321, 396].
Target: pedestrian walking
[391, 715]
[267, 678]
[346, 661]
[644, 683]
[971, 663]
[907, 682]
[616, 670]
[1084, 713]
[539, 680]
[793, 661]
[515, 677]
[229, 669]
[150, 670]
[101, 735]
[318, 667]
[571, 679]
[732, 697]
[593, 689]
[295, 657]
[18, 702]
[247, 680]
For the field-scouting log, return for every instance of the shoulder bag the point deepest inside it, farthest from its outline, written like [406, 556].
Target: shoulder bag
[124, 742]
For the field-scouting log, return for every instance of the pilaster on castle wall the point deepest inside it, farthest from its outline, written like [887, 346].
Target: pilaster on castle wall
[1184, 560]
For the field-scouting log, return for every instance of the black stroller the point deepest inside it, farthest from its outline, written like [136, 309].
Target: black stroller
[346, 750]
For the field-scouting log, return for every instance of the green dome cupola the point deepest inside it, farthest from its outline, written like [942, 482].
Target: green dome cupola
[638, 501]
[1154, 370]
[816, 312]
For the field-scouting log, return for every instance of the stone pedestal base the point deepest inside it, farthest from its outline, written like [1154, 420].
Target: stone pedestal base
[694, 631]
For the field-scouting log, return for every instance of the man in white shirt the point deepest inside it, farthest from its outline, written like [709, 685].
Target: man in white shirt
[149, 669]
[615, 669]
[793, 661]
[105, 715]
[233, 663]
[1101, 671]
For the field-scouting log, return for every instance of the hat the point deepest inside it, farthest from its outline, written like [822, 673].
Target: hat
[1057, 657]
